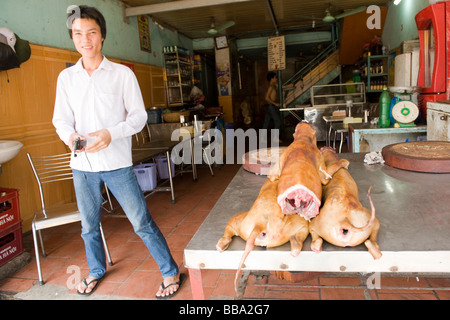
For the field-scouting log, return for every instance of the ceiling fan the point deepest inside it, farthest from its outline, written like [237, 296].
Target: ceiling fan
[330, 18]
[215, 30]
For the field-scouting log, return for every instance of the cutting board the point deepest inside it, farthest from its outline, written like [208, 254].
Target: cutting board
[259, 161]
[421, 156]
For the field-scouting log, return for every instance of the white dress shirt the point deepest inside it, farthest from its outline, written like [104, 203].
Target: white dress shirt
[108, 99]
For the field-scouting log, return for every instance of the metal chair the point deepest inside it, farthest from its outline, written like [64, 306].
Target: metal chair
[338, 128]
[49, 169]
[206, 139]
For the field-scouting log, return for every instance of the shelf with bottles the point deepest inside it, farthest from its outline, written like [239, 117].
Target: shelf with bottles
[178, 75]
[375, 72]
[376, 84]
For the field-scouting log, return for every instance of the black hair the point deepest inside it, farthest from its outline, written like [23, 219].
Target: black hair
[85, 12]
[271, 75]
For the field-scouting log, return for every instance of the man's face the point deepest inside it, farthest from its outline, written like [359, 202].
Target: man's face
[274, 80]
[87, 37]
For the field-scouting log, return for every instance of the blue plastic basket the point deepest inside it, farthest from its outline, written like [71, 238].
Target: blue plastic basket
[146, 176]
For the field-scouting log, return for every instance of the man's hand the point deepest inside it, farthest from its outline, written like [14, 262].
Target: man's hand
[73, 138]
[102, 141]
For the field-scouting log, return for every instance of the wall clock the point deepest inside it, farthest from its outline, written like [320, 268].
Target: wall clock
[221, 42]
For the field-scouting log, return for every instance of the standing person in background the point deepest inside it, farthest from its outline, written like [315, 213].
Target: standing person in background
[273, 102]
[100, 102]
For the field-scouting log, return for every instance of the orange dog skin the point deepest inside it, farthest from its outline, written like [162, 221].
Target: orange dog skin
[342, 220]
[265, 225]
[301, 171]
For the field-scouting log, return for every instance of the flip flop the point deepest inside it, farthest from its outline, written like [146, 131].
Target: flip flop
[87, 285]
[179, 283]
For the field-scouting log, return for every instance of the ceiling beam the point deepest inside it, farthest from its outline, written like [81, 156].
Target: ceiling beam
[177, 5]
[290, 39]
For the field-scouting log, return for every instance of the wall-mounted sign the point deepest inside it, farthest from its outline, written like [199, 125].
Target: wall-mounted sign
[223, 79]
[144, 34]
[276, 54]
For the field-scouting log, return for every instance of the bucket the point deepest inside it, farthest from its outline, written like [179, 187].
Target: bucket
[146, 176]
[154, 115]
[161, 164]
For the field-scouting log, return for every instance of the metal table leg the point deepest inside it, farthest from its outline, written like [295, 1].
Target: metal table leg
[169, 167]
[194, 167]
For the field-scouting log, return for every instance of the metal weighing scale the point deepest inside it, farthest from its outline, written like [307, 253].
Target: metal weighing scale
[405, 113]
[404, 109]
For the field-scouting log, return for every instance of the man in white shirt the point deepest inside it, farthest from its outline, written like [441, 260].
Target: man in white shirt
[100, 102]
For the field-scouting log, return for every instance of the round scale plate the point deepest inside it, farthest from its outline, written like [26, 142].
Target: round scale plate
[405, 112]
[421, 156]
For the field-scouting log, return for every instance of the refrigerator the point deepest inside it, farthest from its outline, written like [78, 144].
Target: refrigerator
[433, 24]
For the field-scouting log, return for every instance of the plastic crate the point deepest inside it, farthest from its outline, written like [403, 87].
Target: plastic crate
[161, 165]
[9, 207]
[146, 176]
[10, 243]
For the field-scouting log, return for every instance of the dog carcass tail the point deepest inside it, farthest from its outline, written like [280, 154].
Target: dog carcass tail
[248, 248]
[372, 218]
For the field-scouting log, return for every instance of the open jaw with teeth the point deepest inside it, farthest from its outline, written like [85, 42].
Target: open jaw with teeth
[299, 200]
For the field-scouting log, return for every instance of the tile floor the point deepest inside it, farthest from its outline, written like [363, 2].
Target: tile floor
[135, 274]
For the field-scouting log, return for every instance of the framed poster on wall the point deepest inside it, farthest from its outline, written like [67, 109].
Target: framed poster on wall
[144, 34]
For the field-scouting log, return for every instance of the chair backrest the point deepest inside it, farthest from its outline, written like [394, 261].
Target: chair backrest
[49, 169]
[143, 137]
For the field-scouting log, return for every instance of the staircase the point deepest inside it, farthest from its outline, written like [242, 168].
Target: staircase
[321, 70]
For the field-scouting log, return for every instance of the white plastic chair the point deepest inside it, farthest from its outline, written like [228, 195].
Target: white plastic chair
[50, 169]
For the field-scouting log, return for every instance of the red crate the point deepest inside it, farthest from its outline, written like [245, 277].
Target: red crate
[9, 208]
[10, 243]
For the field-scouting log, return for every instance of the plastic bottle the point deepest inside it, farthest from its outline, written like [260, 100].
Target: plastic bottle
[385, 102]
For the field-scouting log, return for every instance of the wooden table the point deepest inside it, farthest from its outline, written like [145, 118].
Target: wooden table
[413, 209]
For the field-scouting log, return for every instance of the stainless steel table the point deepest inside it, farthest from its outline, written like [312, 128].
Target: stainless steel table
[413, 209]
[147, 151]
[293, 109]
[385, 136]
[338, 128]
[329, 120]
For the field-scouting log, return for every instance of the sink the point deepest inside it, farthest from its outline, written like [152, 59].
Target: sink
[8, 150]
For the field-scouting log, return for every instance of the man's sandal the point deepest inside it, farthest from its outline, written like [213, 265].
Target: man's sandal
[179, 283]
[97, 282]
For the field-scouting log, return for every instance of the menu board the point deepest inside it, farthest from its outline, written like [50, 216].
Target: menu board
[276, 53]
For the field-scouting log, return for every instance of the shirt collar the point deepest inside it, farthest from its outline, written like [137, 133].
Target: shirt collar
[105, 64]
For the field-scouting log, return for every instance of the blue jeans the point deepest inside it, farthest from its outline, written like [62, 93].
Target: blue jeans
[272, 112]
[125, 188]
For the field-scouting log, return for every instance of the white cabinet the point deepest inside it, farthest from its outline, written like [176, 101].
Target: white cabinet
[438, 118]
